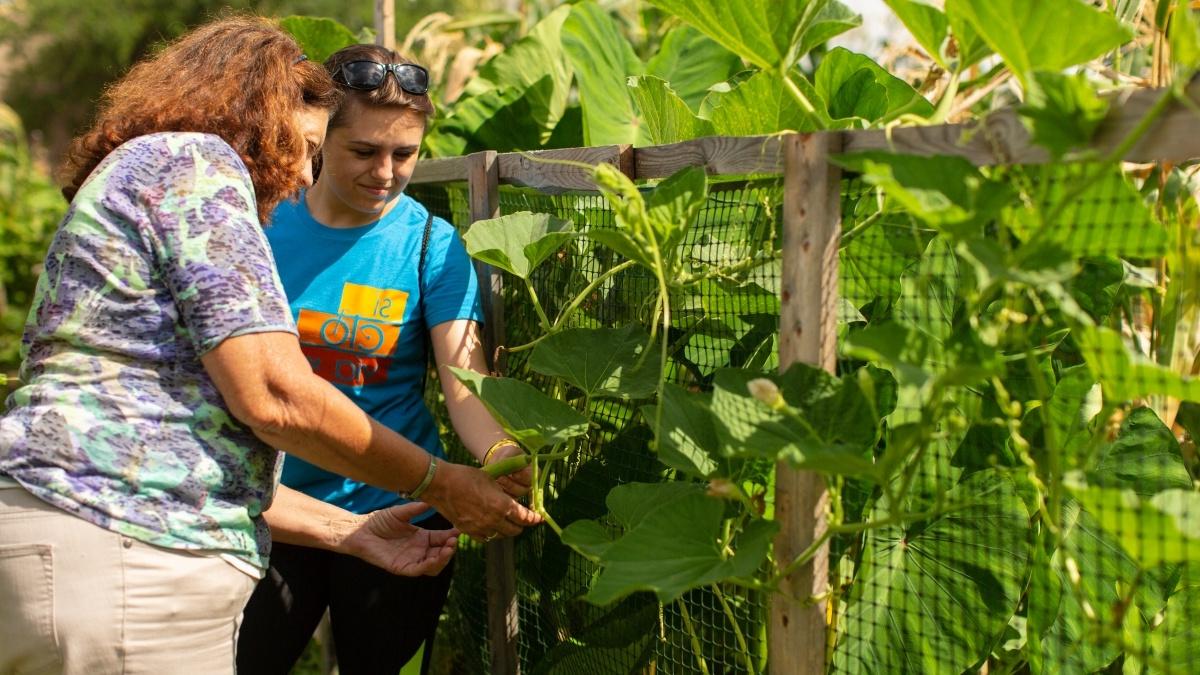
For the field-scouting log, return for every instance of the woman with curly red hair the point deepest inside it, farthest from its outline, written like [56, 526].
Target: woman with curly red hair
[162, 371]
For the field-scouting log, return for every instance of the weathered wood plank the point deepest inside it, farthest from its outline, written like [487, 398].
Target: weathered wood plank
[807, 333]
[484, 191]
[719, 155]
[440, 170]
[545, 170]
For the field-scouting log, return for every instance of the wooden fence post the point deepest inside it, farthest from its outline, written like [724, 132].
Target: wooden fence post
[385, 23]
[808, 332]
[483, 182]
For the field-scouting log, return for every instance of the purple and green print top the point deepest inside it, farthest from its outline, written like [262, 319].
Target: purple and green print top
[160, 257]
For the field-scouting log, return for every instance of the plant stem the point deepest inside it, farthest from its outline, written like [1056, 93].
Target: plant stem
[578, 300]
[537, 306]
[696, 649]
[743, 647]
[805, 104]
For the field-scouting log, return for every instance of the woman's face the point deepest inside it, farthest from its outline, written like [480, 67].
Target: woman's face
[311, 121]
[366, 164]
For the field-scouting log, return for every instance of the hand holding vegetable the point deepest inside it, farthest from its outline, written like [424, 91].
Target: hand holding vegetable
[475, 504]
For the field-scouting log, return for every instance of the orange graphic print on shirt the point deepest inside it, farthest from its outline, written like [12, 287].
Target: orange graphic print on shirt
[354, 346]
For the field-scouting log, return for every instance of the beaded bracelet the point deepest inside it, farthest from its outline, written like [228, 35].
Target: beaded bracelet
[487, 456]
[425, 482]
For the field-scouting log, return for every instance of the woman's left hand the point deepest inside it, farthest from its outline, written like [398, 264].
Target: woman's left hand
[515, 484]
[387, 539]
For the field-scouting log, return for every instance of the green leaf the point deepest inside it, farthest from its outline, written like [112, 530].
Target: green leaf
[517, 99]
[600, 361]
[946, 192]
[687, 440]
[771, 34]
[761, 105]
[1028, 34]
[519, 242]
[828, 424]
[1184, 36]
[691, 63]
[855, 86]
[1145, 458]
[933, 596]
[317, 36]
[534, 419]
[1062, 111]
[929, 291]
[928, 26]
[670, 543]
[665, 117]
[1126, 376]
[603, 61]
[1164, 528]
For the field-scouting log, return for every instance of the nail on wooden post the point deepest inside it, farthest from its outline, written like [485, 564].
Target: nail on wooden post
[808, 332]
[385, 23]
[483, 182]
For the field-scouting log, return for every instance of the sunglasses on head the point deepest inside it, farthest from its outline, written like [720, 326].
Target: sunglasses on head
[368, 75]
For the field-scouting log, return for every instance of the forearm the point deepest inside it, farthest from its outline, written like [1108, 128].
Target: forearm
[270, 387]
[296, 518]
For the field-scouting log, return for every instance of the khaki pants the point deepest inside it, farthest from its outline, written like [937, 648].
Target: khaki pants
[76, 598]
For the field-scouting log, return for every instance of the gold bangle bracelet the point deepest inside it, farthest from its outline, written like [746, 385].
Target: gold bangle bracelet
[487, 456]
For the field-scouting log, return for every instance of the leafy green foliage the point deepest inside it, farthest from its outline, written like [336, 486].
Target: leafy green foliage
[854, 86]
[602, 59]
[600, 361]
[669, 544]
[535, 420]
[518, 242]
[318, 37]
[1016, 30]
[936, 606]
[1063, 111]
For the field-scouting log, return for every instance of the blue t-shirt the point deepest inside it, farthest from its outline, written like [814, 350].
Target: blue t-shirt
[355, 294]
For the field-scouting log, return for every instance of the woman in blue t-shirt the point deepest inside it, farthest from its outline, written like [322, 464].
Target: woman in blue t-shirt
[373, 281]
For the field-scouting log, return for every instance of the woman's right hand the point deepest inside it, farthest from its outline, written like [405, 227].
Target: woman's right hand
[473, 502]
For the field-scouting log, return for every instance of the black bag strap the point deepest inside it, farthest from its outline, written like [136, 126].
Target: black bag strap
[428, 344]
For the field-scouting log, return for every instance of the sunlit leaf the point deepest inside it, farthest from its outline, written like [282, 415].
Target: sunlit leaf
[853, 85]
[600, 361]
[534, 419]
[761, 105]
[691, 63]
[603, 61]
[670, 543]
[1063, 111]
[1023, 32]
[317, 36]
[665, 117]
[519, 242]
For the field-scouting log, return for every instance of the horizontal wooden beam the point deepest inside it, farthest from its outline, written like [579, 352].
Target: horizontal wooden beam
[719, 155]
[1000, 138]
[562, 170]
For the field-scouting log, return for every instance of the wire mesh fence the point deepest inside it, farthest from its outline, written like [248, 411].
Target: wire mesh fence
[1034, 509]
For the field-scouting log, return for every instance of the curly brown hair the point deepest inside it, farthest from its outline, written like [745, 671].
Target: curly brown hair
[387, 95]
[240, 78]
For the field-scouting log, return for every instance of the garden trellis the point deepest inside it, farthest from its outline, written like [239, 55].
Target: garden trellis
[1044, 511]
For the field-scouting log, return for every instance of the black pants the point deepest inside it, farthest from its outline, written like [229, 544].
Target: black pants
[379, 620]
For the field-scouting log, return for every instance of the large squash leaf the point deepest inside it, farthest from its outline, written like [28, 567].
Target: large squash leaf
[670, 542]
[534, 419]
[519, 242]
[854, 86]
[1029, 35]
[933, 596]
[603, 61]
[665, 117]
[600, 361]
[692, 62]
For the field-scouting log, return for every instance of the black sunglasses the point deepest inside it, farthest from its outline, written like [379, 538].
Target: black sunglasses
[368, 75]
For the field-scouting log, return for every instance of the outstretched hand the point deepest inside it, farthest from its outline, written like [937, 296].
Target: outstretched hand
[387, 539]
[475, 504]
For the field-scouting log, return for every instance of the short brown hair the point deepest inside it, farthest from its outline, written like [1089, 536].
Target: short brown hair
[240, 78]
[387, 95]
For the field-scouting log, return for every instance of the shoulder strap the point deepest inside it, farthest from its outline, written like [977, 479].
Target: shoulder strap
[428, 344]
